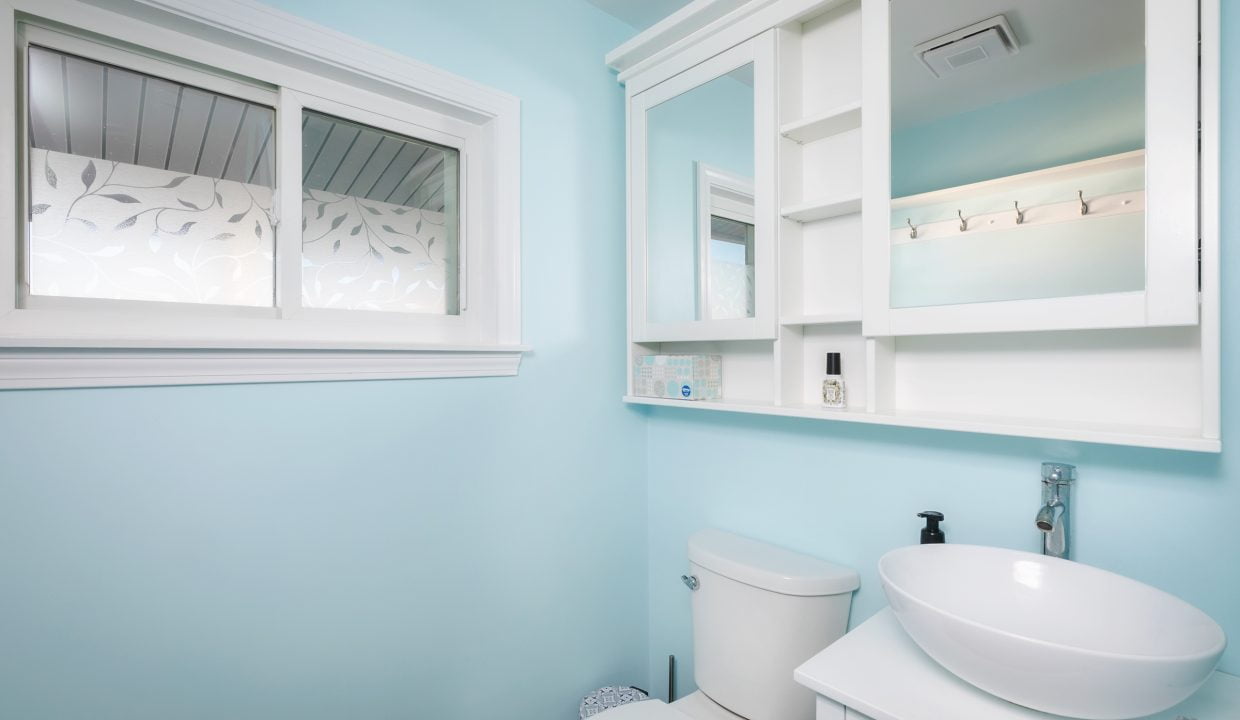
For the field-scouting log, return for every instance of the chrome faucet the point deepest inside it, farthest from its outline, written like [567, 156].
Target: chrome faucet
[1053, 518]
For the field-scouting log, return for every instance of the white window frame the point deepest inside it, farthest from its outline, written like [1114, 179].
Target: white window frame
[278, 60]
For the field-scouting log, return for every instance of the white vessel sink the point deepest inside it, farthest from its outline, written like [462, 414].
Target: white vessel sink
[1051, 634]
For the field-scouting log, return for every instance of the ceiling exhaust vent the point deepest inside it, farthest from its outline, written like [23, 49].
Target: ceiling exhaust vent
[987, 40]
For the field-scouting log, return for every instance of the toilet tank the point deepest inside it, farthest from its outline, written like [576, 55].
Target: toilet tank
[759, 611]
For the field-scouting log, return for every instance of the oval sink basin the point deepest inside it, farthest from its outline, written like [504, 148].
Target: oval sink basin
[1051, 634]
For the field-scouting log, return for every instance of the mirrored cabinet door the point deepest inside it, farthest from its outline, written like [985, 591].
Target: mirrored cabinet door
[701, 228]
[1042, 166]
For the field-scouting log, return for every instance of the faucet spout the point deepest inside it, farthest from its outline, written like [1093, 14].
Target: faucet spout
[1052, 518]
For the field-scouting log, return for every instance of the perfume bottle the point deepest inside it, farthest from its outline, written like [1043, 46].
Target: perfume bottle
[833, 384]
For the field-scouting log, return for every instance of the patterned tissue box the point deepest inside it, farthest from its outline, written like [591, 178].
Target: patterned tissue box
[679, 377]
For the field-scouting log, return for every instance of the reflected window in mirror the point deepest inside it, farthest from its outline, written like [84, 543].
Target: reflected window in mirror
[1017, 150]
[726, 245]
[699, 190]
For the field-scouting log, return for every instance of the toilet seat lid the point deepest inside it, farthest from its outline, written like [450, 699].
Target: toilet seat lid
[644, 710]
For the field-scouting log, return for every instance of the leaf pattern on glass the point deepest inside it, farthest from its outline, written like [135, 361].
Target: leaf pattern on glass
[139, 233]
[372, 255]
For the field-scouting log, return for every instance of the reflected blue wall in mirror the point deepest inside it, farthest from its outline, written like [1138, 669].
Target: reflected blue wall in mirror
[1103, 114]
[712, 124]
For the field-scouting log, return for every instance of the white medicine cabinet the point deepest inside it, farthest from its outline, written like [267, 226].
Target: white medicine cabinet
[1043, 173]
[702, 193]
[1002, 215]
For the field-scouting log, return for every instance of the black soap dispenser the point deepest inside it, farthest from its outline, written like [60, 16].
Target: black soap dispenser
[931, 534]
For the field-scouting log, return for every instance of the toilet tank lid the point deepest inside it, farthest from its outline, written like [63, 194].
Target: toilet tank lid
[768, 567]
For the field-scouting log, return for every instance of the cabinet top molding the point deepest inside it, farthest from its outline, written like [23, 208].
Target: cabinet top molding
[702, 19]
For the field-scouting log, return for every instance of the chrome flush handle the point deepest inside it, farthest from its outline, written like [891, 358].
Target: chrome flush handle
[690, 581]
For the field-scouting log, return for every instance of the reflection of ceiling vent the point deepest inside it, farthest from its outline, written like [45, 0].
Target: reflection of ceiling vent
[987, 40]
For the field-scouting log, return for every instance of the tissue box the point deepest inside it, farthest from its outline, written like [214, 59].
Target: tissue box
[680, 377]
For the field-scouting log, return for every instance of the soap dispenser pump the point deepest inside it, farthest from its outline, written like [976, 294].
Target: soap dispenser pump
[931, 534]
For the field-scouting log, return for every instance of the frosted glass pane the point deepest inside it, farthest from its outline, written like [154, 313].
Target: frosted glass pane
[1090, 256]
[118, 231]
[731, 269]
[380, 218]
[145, 189]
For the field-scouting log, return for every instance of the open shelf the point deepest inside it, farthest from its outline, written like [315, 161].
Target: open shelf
[1144, 436]
[833, 122]
[822, 319]
[823, 209]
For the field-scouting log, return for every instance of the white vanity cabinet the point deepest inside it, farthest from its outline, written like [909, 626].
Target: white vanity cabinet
[876, 672]
[1097, 327]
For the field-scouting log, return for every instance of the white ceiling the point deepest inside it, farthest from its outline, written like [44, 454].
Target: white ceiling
[1060, 41]
[641, 14]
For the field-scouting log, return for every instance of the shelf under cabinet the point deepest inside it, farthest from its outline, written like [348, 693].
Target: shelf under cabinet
[833, 122]
[822, 319]
[823, 209]
[1144, 436]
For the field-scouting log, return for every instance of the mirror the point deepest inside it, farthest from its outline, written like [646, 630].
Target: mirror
[1017, 150]
[700, 202]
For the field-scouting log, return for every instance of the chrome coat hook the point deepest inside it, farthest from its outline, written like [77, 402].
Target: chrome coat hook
[964, 224]
[1020, 214]
[1080, 194]
[912, 231]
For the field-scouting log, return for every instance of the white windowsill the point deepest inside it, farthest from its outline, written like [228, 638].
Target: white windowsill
[79, 367]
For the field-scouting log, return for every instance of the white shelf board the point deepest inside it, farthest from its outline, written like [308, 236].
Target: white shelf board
[823, 319]
[833, 122]
[823, 209]
[1085, 168]
[1107, 434]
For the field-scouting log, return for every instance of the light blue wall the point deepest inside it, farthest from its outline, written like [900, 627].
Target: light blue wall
[449, 549]
[710, 124]
[849, 493]
[1098, 115]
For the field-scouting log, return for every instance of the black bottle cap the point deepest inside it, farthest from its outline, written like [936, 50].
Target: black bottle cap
[833, 363]
[931, 534]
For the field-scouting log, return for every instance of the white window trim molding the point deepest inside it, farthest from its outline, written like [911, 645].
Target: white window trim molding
[284, 46]
[34, 368]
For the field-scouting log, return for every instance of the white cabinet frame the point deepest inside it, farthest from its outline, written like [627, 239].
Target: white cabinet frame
[760, 51]
[1171, 221]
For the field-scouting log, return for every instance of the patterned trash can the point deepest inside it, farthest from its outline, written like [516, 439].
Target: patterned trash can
[610, 697]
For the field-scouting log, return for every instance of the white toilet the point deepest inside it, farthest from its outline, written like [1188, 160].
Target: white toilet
[759, 611]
